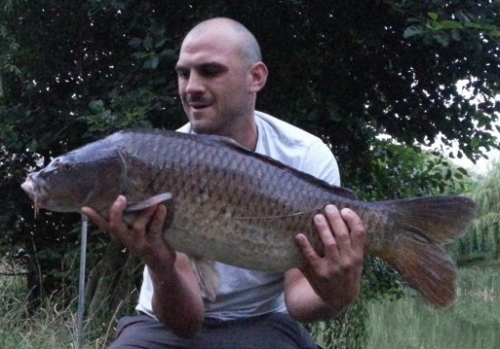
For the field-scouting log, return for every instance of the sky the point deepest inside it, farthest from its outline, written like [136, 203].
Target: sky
[482, 166]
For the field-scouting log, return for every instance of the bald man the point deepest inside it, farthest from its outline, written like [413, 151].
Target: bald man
[220, 71]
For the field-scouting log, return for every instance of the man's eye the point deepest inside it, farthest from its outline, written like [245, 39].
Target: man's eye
[210, 71]
[181, 73]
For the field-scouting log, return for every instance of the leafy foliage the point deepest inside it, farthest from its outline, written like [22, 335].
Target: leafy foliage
[483, 241]
[400, 172]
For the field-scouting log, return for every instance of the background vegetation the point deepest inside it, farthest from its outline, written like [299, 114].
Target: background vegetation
[349, 71]
[472, 323]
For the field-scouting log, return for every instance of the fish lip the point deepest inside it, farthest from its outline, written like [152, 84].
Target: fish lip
[29, 188]
[35, 191]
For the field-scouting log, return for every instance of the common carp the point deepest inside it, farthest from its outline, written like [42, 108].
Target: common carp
[235, 206]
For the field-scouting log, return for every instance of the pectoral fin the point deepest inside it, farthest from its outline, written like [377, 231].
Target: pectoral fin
[154, 200]
[208, 277]
[132, 211]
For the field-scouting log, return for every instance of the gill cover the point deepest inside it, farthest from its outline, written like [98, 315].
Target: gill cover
[89, 176]
[110, 177]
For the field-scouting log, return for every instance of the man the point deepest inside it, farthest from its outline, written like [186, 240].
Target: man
[220, 73]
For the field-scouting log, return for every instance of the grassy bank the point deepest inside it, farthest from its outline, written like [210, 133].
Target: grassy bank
[472, 323]
[50, 327]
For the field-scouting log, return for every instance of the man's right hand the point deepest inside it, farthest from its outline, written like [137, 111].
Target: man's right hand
[143, 238]
[177, 298]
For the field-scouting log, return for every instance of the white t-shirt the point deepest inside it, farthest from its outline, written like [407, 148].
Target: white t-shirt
[246, 293]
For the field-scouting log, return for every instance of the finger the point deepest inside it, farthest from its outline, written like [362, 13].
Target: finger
[306, 249]
[328, 226]
[357, 228]
[324, 230]
[158, 220]
[144, 219]
[116, 212]
[339, 229]
[96, 218]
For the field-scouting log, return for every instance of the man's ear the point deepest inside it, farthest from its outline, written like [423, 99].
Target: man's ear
[258, 76]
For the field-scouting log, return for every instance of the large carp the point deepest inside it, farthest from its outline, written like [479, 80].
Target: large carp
[241, 208]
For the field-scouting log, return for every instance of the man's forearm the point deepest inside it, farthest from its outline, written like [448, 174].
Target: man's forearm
[304, 304]
[177, 302]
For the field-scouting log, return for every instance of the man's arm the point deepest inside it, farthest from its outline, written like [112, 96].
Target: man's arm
[177, 298]
[326, 285]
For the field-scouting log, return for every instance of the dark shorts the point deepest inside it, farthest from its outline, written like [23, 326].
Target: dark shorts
[276, 331]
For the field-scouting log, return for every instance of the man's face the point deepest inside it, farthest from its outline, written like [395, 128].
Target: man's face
[213, 82]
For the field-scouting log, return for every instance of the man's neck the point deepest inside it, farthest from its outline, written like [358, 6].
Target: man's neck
[245, 133]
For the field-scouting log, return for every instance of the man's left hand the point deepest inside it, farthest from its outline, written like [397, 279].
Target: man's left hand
[335, 276]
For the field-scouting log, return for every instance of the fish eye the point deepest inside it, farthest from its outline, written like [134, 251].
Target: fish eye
[66, 167]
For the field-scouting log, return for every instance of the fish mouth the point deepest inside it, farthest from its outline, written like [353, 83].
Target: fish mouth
[29, 188]
[35, 192]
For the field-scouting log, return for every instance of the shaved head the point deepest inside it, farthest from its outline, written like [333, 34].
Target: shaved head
[219, 73]
[235, 32]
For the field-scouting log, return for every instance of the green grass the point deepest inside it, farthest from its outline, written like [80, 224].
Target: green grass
[473, 322]
[52, 326]
[48, 328]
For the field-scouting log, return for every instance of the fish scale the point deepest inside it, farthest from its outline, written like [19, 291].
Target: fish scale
[235, 206]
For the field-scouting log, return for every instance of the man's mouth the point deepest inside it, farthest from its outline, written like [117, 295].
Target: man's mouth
[199, 104]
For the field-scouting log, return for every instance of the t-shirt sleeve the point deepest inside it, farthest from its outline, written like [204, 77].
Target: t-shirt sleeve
[320, 162]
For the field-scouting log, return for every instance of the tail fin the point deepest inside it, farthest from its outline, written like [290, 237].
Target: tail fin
[421, 226]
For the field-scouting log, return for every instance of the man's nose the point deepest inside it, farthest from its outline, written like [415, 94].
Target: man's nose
[195, 83]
